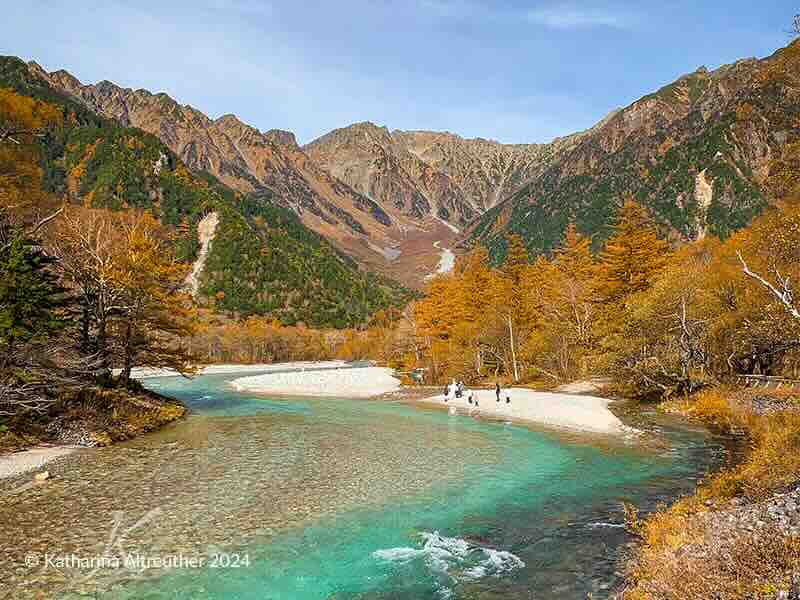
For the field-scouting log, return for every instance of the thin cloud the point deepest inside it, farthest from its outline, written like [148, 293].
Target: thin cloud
[566, 17]
[451, 9]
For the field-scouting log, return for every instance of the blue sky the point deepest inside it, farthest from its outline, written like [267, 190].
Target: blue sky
[507, 70]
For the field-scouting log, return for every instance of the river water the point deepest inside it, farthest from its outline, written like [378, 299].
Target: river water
[301, 499]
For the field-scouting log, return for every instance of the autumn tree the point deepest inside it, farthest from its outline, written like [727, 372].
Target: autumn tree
[154, 313]
[631, 257]
[128, 288]
[511, 302]
[516, 258]
[767, 258]
[85, 241]
[560, 346]
[451, 320]
[22, 121]
[664, 343]
[572, 287]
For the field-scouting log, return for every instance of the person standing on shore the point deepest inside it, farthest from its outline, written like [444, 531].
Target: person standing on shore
[497, 391]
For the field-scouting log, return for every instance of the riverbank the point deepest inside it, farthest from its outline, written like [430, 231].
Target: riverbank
[558, 410]
[738, 535]
[89, 417]
[31, 460]
[551, 409]
[358, 382]
[223, 369]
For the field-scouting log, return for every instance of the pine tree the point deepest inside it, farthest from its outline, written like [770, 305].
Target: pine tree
[29, 293]
[516, 258]
[574, 256]
[632, 256]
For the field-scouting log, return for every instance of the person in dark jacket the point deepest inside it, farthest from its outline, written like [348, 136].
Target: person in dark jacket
[497, 391]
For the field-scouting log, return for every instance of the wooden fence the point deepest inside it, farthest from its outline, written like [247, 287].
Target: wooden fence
[768, 381]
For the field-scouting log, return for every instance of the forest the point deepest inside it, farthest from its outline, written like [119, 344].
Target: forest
[97, 236]
[98, 233]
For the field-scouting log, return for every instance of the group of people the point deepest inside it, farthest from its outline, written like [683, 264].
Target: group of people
[456, 390]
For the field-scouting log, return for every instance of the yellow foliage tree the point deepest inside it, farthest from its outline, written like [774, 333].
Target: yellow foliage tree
[155, 313]
[631, 257]
[22, 119]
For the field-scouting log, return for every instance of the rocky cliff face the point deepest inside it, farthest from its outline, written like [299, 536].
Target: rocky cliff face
[722, 128]
[485, 171]
[368, 158]
[456, 179]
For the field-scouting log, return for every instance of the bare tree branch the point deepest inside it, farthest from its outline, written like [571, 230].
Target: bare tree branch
[32, 231]
[783, 294]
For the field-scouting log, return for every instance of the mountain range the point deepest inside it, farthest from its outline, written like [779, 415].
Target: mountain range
[383, 197]
[696, 153]
[251, 255]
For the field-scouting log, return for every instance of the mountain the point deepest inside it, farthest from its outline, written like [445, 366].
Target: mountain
[696, 153]
[380, 233]
[700, 153]
[388, 199]
[252, 255]
[456, 178]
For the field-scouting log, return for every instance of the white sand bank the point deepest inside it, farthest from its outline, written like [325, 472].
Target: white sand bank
[362, 382]
[145, 372]
[567, 411]
[30, 460]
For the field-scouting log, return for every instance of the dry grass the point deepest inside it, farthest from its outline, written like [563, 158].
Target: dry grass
[92, 415]
[743, 564]
[684, 553]
[114, 415]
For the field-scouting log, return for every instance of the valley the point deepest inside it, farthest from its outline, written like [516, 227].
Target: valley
[367, 188]
[370, 359]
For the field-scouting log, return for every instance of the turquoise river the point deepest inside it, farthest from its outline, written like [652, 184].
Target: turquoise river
[312, 499]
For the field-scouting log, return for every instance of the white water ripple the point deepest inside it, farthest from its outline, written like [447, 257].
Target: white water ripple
[453, 558]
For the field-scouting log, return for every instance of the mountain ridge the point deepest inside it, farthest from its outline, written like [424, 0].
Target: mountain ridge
[726, 125]
[385, 196]
[260, 260]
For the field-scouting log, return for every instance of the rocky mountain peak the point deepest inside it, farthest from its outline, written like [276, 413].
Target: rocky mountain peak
[228, 120]
[282, 137]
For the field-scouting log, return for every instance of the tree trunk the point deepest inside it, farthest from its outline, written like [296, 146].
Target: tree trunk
[103, 371]
[513, 352]
[85, 321]
[127, 366]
